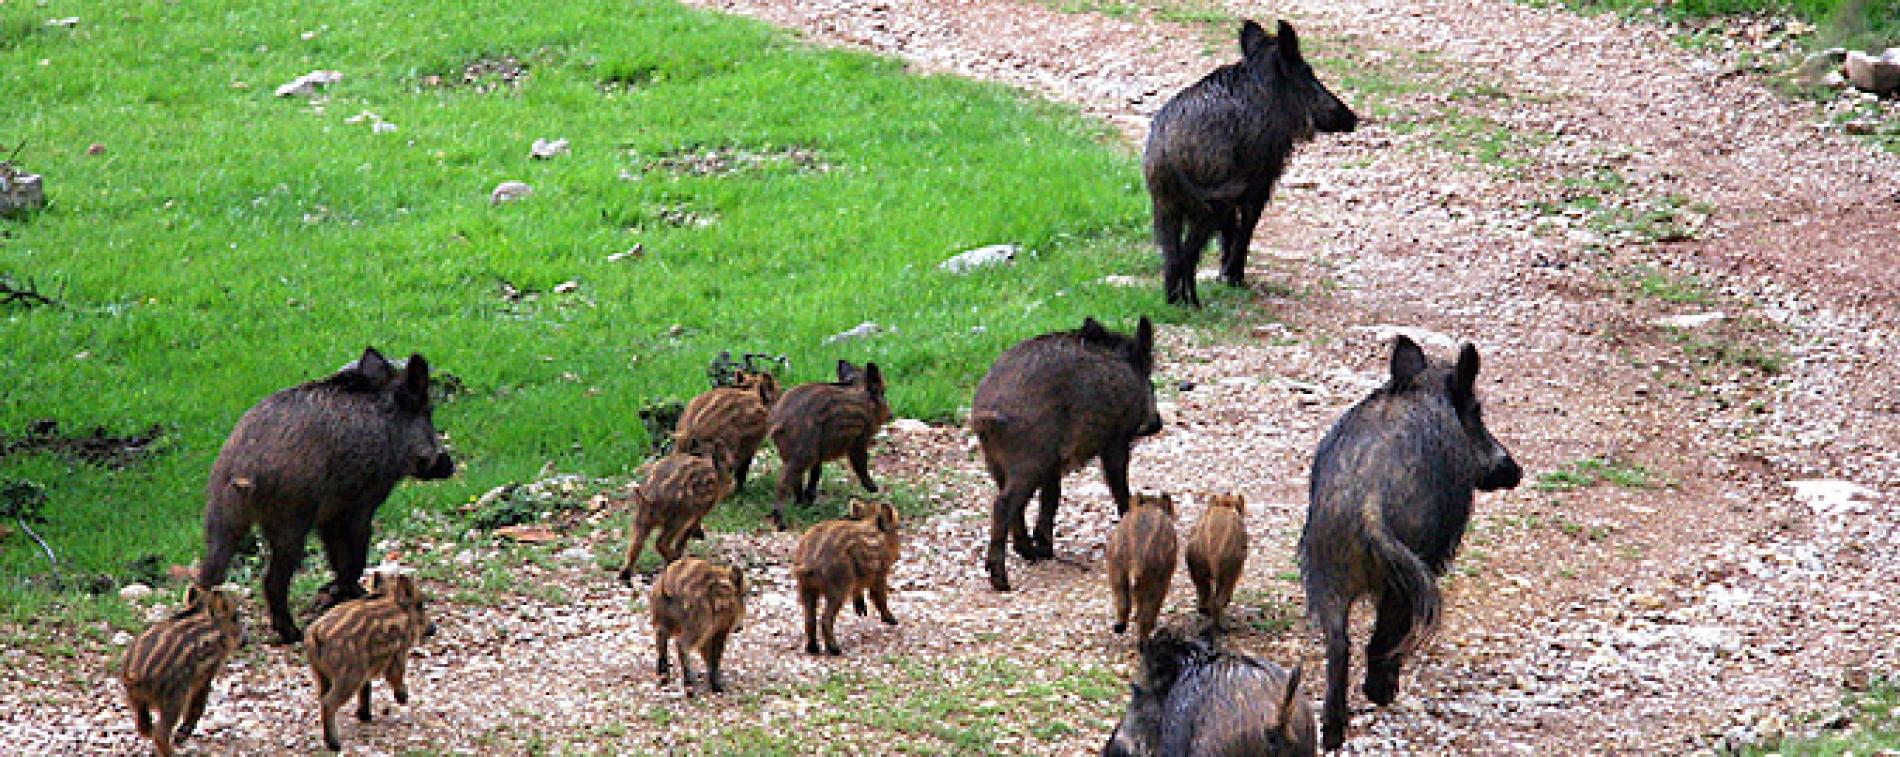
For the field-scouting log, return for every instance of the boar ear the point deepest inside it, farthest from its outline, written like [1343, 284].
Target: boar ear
[1287, 43]
[846, 371]
[1145, 345]
[886, 518]
[1286, 703]
[403, 588]
[1465, 378]
[873, 379]
[194, 596]
[1092, 330]
[738, 579]
[414, 391]
[373, 366]
[1254, 42]
[1407, 360]
[768, 389]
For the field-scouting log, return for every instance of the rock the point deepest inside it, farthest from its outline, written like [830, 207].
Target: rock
[121, 639]
[1691, 320]
[1861, 127]
[1877, 75]
[981, 257]
[509, 191]
[381, 127]
[1123, 281]
[308, 84]
[95, 149]
[909, 425]
[1386, 332]
[567, 287]
[859, 331]
[637, 250]
[544, 149]
[63, 23]
[575, 555]
[1833, 496]
[20, 193]
[135, 592]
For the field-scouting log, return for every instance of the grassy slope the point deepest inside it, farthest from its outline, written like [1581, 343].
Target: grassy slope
[229, 243]
[1861, 23]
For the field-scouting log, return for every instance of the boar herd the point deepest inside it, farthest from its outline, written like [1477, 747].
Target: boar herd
[1390, 494]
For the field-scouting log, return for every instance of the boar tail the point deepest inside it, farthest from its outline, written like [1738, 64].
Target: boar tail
[988, 421]
[1406, 577]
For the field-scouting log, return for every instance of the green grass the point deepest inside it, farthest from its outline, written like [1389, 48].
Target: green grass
[229, 243]
[1592, 471]
[941, 706]
[1854, 23]
[1874, 726]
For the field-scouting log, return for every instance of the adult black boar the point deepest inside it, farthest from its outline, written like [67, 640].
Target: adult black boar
[1216, 148]
[1192, 700]
[1391, 494]
[322, 455]
[1049, 405]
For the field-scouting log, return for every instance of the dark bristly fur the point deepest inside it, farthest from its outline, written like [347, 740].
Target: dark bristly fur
[680, 489]
[815, 423]
[846, 558]
[169, 668]
[1048, 406]
[736, 416]
[1391, 494]
[1191, 700]
[1141, 562]
[1216, 149]
[697, 604]
[1217, 552]
[322, 455]
[361, 640]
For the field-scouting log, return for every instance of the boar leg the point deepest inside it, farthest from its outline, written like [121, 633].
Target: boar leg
[1118, 588]
[742, 465]
[1204, 589]
[881, 596]
[363, 711]
[193, 710]
[661, 668]
[686, 666]
[715, 649]
[811, 483]
[331, 701]
[787, 489]
[397, 678]
[834, 601]
[1236, 239]
[808, 598]
[347, 556]
[1383, 657]
[1167, 226]
[142, 718]
[1043, 545]
[1006, 511]
[162, 731]
[642, 526]
[1115, 472]
[1338, 668]
[286, 553]
[861, 462]
[671, 543]
[223, 532]
[1198, 232]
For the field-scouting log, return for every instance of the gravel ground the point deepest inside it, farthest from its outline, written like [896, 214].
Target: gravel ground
[1716, 606]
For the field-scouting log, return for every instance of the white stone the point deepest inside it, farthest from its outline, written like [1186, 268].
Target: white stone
[860, 331]
[567, 287]
[1832, 496]
[1690, 320]
[308, 84]
[544, 149]
[576, 555]
[996, 254]
[909, 425]
[1879, 75]
[1117, 280]
[509, 191]
[135, 592]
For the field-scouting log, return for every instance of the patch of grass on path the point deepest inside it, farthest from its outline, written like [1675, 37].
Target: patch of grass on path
[1873, 727]
[226, 243]
[1853, 23]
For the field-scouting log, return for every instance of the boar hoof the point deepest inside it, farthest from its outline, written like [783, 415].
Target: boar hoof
[183, 732]
[999, 580]
[834, 651]
[1381, 687]
[889, 621]
[402, 696]
[811, 648]
[1332, 737]
[1121, 628]
[335, 745]
[626, 576]
[289, 635]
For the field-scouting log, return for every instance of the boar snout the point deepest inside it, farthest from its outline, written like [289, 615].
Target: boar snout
[439, 466]
[1504, 474]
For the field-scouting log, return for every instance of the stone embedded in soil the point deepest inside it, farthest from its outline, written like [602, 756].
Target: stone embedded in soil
[1879, 75]
[544, 149]
[310, 83]
[860, 331]
[509, 191]
[981, 257]
[1690, 320]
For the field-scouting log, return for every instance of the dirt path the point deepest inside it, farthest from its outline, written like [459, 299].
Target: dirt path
[1534, 182]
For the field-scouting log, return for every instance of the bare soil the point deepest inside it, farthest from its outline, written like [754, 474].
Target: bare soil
[1698, 602]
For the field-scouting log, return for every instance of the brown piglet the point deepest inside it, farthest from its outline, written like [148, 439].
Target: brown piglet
[736, 416]
[814, 423]
[1141, 556]
[170, 667]
[363, 639]
[1216, 552]
[697, 605]
[846, 558]
[680, 489]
